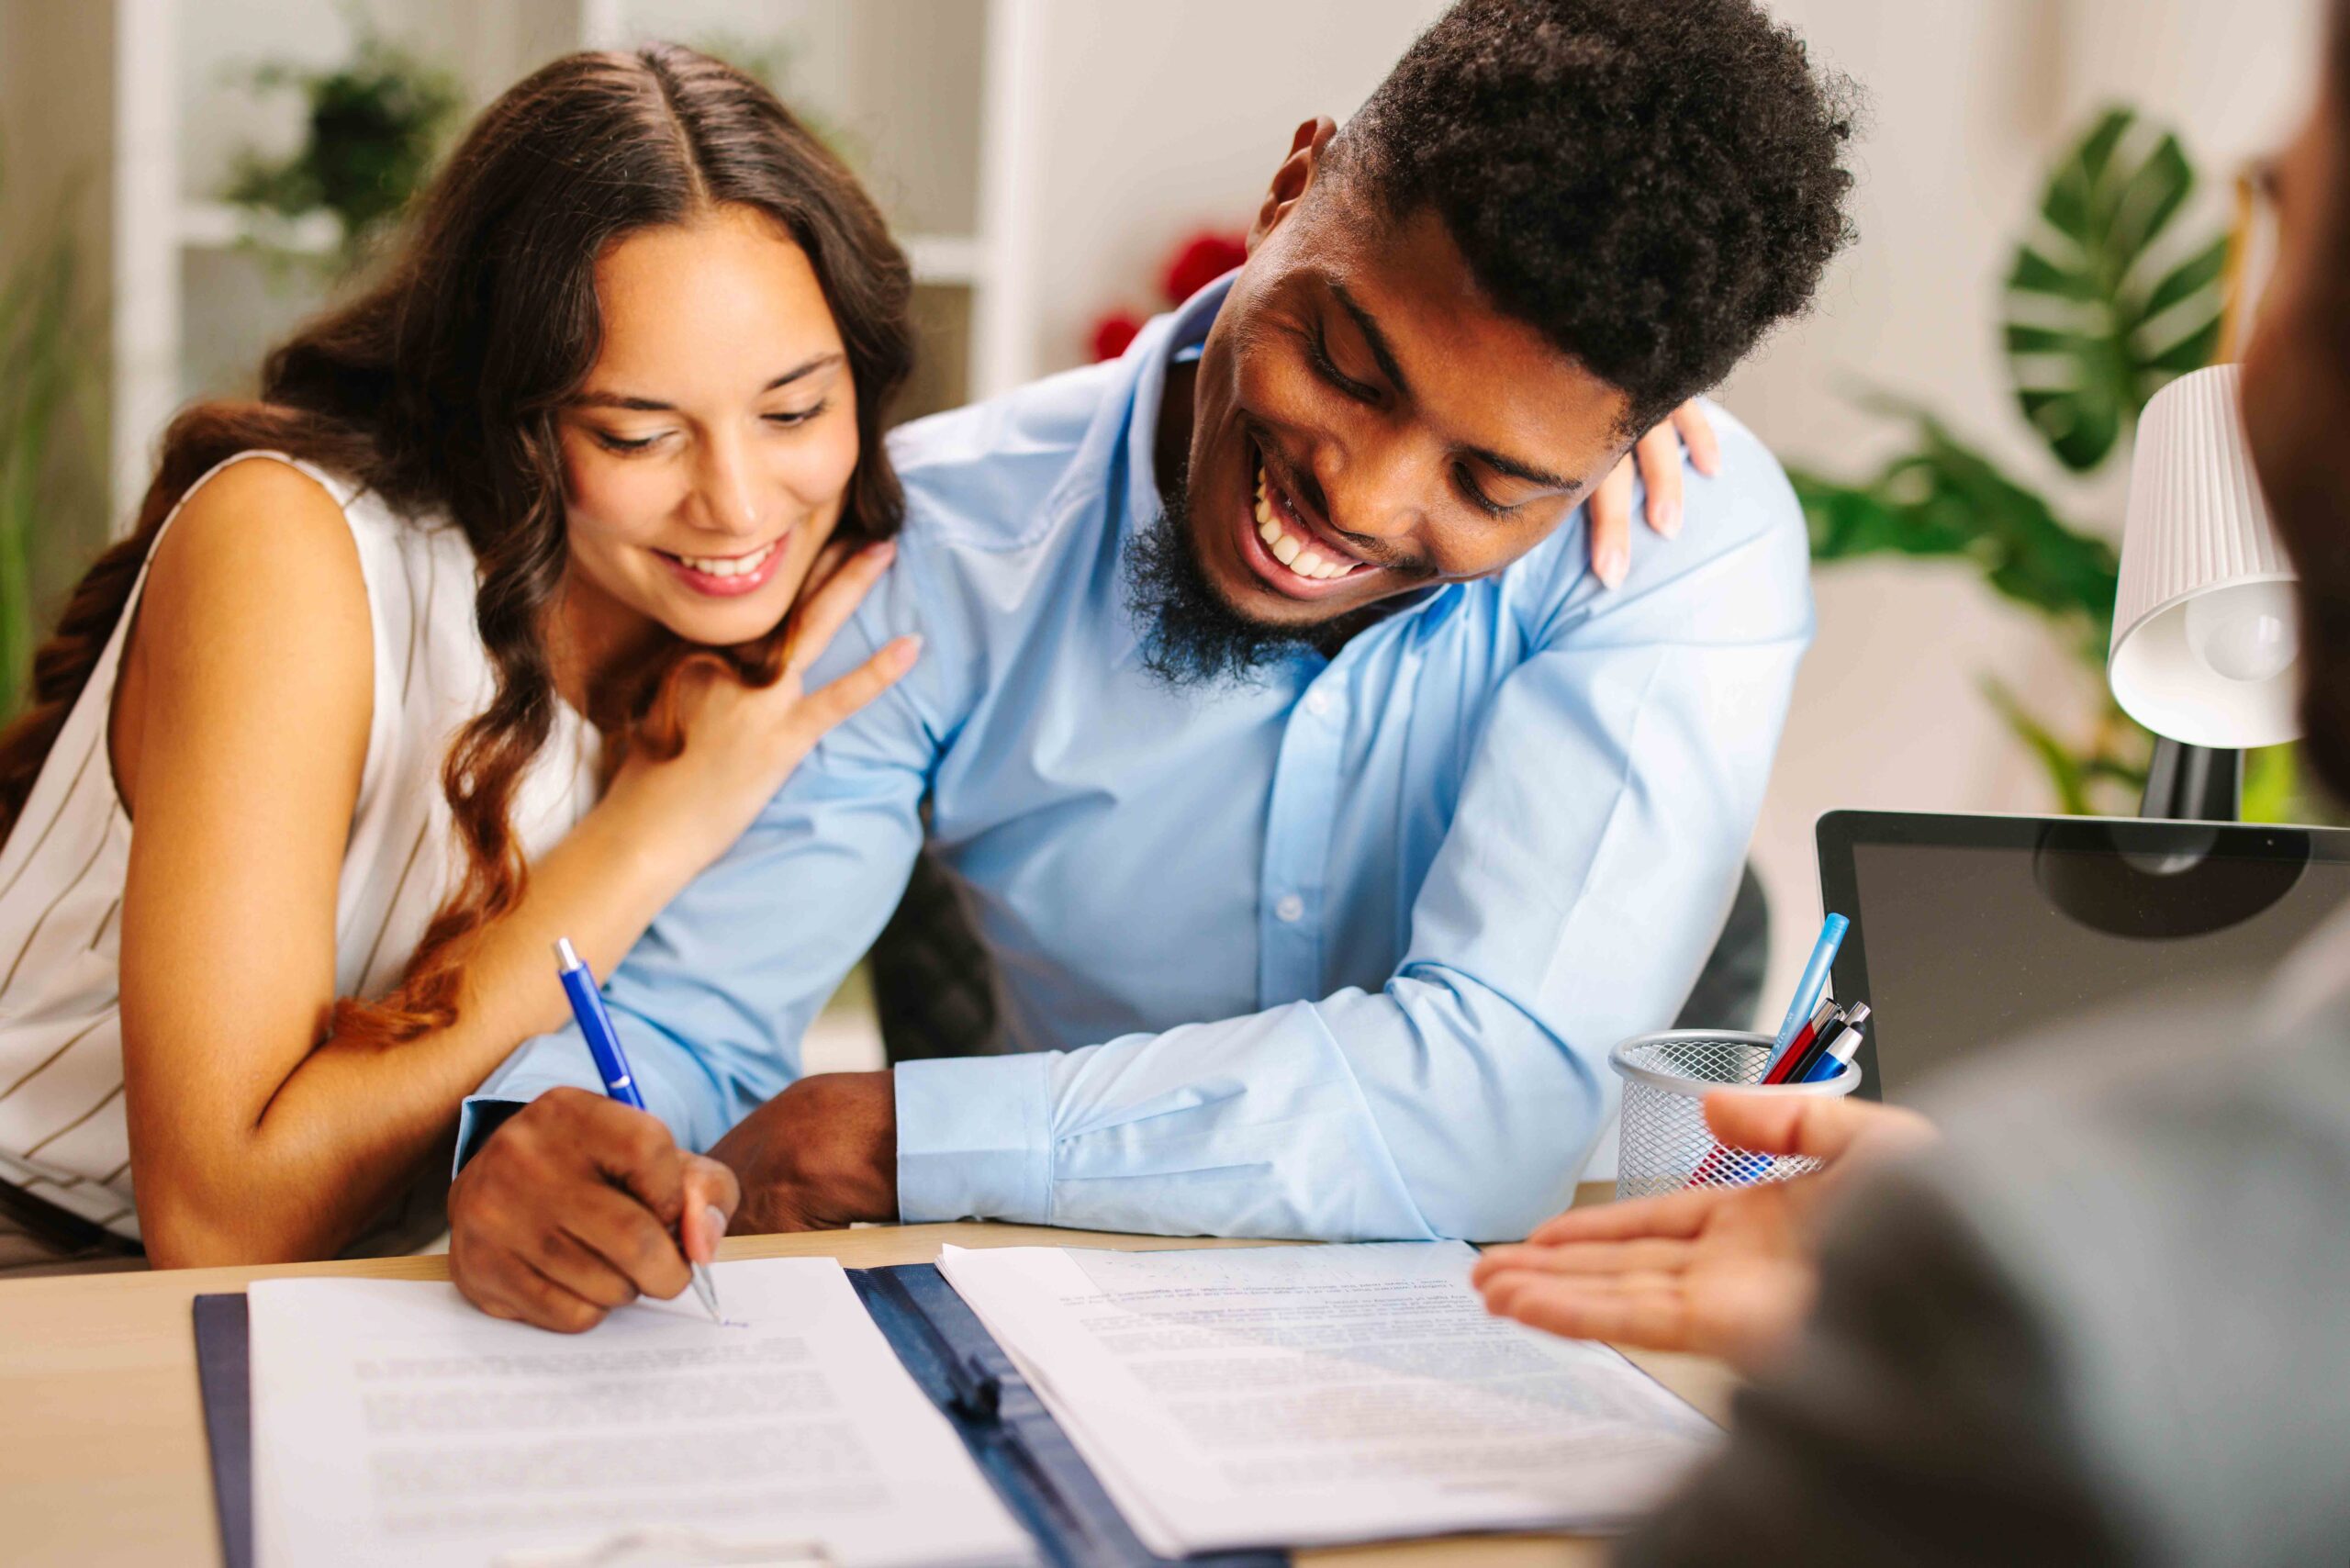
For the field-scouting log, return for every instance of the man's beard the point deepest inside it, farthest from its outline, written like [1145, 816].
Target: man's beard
[1193, 637]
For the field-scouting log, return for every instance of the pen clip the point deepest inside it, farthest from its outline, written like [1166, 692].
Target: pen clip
[978, 1390]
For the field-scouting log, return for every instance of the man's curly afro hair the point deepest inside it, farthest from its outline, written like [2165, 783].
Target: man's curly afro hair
[1652, 184]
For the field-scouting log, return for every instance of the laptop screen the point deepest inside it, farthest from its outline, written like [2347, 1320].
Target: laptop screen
[1969, 931]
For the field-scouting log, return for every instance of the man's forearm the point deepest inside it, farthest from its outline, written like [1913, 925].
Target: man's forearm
[1427, 1110]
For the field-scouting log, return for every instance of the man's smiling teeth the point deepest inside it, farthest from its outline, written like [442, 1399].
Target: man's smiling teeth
[730, 565]
[1291, 545]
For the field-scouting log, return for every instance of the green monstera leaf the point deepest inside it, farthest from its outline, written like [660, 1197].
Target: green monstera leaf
[1941, 497]
[2102, 308]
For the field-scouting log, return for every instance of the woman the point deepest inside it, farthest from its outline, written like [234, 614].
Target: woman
[395, 680]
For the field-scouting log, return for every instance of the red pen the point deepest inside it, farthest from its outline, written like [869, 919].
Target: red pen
[1821, 1021]
[1819, 1028]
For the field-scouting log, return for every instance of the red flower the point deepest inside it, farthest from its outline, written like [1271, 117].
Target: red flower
[1112, 333]
[1204, 258]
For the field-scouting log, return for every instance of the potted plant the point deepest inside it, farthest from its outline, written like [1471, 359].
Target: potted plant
[375, 125]
[2106, 302]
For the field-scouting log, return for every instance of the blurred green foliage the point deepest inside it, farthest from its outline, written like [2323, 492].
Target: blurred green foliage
[375, 125]
[2104, 306]
[49, 383]
[2100, 314]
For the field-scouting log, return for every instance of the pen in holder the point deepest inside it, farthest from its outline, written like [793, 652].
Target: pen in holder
[1665, 1144]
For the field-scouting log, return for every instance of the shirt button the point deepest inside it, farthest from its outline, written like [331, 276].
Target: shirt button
[1290, 910]
[1317, 702]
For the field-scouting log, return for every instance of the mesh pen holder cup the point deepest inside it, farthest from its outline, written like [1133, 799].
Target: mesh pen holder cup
[1666, 1144]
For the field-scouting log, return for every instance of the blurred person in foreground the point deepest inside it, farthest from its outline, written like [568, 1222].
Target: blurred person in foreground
[2101, 1321]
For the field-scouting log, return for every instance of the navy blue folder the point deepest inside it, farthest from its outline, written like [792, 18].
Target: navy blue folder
[1015, 1441]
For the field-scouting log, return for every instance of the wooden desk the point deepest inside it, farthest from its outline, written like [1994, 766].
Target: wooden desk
[101, 1452]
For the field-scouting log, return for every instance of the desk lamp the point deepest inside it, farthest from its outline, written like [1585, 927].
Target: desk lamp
[2205, 650]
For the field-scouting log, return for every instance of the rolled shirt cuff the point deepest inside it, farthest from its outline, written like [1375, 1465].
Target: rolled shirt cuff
[476, 1120]
[524, 1076]
[975, 1138]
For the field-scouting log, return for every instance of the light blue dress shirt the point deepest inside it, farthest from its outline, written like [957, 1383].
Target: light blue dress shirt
[1337, 954]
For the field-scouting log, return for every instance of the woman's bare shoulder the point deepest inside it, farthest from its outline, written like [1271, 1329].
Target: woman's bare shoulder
[253, 627]
[260, 549]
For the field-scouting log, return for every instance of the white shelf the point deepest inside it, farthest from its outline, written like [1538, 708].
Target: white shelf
[945, 258]
[220, 226]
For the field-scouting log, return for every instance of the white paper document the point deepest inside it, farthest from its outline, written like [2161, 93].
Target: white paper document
[394, 1424]
[1309, 1395]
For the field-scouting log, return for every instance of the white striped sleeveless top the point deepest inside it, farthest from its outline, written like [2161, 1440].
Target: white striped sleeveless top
[63, 1129]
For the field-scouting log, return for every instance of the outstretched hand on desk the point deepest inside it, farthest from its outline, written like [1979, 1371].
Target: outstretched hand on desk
[1725, 1271]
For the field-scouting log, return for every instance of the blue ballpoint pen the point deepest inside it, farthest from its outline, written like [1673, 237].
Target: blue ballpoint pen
[1813, 984]
[611, 1065]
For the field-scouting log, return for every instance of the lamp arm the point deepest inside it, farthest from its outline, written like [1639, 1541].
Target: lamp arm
[2193, 783]
[2236, 302]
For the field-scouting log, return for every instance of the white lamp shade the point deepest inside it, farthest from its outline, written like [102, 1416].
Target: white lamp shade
[2205, 642]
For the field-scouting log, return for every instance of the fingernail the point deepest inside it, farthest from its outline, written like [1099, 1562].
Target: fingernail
[717, 1220]
[1668, 520]
[908, 650]
[882, 549]
[1614, 562]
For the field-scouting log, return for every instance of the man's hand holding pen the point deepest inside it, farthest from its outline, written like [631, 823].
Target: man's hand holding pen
[580, 1205]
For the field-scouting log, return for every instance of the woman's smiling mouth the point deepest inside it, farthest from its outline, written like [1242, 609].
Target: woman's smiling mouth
[726, 576]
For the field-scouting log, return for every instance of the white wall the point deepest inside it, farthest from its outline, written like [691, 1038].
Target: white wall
[1961, 116]
[55, 61]
[1166, 120]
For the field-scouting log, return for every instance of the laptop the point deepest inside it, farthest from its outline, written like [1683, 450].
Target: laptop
[1968, 931]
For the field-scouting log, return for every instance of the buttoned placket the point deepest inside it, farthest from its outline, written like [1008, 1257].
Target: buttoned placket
[1292, 912]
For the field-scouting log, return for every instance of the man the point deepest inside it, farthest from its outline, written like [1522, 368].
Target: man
[1328, 818]
[2103, 1321]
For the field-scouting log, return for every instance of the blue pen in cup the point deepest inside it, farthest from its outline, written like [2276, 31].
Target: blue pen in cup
[1842, 1048]
[1809, 989]
[611, 1065]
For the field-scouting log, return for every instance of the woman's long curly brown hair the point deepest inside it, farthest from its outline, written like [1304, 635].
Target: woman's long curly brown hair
[439, 389]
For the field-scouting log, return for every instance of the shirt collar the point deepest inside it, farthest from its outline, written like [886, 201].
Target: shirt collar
[1164, 342]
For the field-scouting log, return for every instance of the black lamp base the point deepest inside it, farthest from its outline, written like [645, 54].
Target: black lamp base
[2193, 783]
